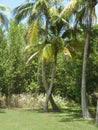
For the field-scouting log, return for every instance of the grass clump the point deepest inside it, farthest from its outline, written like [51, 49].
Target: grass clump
[32, 101]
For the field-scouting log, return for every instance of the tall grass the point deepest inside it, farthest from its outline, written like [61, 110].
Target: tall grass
[33, 101]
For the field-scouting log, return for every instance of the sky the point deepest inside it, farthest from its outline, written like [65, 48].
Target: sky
[14, 3]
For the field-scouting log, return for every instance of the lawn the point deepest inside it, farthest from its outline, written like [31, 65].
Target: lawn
[19, 119]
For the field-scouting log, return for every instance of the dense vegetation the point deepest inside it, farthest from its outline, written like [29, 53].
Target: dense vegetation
[17, 77]
[32, 59]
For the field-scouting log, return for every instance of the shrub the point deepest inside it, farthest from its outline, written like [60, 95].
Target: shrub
[33, 101]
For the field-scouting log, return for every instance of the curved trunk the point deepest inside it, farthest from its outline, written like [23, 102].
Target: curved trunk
[85, 111]
[49, 96]
[50, 87]
[47, 88]
[45, 84]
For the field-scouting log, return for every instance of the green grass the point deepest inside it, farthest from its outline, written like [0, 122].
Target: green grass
[70, 119]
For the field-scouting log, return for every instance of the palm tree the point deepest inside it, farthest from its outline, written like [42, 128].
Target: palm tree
[85, 11]
[47, 38]
[36, 12]
[3, 18]
[56, 46]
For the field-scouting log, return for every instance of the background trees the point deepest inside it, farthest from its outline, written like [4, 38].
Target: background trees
[46, 36]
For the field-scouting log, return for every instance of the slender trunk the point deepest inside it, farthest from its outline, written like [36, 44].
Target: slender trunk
[83, 89]
[54, 106]
[50, 87]
[48, 96]
[45, 84]
[37, 77]
[85, 111]
[97, 112]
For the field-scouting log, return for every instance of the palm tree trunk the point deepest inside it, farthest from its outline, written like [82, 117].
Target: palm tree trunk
[97, 112]
[50, 88]
[45, 84]
[85, 111]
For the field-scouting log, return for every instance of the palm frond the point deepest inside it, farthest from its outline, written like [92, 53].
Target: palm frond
[3, 17]
[22, 14]
[75, 46]
[80, 15]
[57, 44]
[94, 16]
[69, 9]
[32, 56]
[3, 20]
[22, 7]
[67, 52]
[22, 11]
[33, 33]
[37, 5]
[4, 8]
[27, 47]
[47, 52]
[53, 11]
[32, 17]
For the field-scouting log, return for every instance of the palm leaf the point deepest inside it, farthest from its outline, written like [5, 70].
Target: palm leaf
[4, 8]
[94, 16]
[22, 11]
[22, 14]
[67, 52]
[22, 7]
[53, 11]
[69, 9]
[3, 20]
[33, 33]
[37, 6]
[75, 46]
[32, 56]
[47, 52]
[80, 15]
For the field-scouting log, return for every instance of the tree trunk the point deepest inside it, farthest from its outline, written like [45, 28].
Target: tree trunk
[97, 112]
[85, 111]
[45, 84]
[50, 87]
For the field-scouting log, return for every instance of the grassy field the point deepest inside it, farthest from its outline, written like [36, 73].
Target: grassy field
[70, 119]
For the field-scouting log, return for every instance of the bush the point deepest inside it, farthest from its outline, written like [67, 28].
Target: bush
[32, 101]
[2, 101]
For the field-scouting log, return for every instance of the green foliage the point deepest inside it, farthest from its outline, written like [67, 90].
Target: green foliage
[33, 87]
[12, 76]
[17, 77]
[68, 78]
[92, 74]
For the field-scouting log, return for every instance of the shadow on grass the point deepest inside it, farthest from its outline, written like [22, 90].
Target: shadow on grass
[2, 111]
[70, 116]
[74, 115]
[33, 110]
[41, 111]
